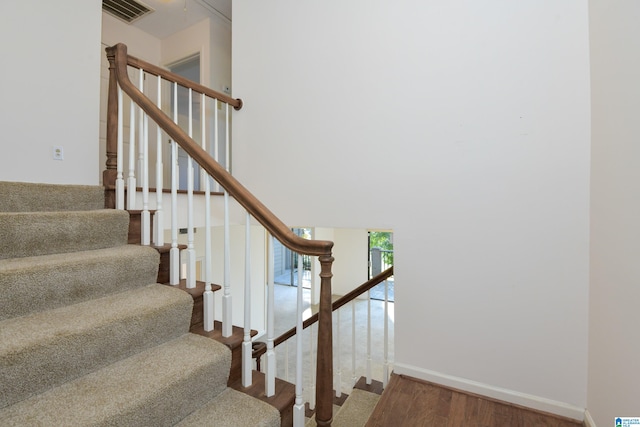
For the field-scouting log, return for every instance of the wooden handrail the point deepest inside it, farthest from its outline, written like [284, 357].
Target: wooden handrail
[118, 62]
[236, 190]
[175, 78]
[343, 300]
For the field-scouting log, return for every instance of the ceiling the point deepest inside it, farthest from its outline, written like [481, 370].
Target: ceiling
[170, 16]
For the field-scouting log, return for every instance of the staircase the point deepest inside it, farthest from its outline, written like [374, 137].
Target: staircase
[87, 336]
[355, 409]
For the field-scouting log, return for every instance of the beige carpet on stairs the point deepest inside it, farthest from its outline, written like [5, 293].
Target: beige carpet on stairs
[27, 284]
[25, 234]
[354, 412]
[87, 338]
[157, 387]
[356, 409]
[35, 197]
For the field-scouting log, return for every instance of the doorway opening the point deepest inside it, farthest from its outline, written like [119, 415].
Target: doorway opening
[286, 262]
[380, 259]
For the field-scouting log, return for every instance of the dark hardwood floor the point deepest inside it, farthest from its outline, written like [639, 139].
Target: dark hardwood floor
[410, 402]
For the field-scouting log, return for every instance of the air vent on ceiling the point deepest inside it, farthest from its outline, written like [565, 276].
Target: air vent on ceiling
[126, 10]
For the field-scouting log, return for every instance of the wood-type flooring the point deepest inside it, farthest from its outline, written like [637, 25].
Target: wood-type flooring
[408, 402]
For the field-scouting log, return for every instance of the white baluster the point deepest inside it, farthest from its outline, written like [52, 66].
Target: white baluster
[298, 407]
[208, 293]
[208, 302]
[286, 360]
[226, 297]
[338, 380]
[312, 370]
[247, 364]
[174, 253]
[131, 178]
[190, 252]
[204, 176]
[369, 337]
[354, 377]
[385, 369]
[227, 326]
[391, 333]
[120, 154]
[270, 368]
[216, 140]
[158, 218]
[145, 219]
[141, 115]
[227, 141]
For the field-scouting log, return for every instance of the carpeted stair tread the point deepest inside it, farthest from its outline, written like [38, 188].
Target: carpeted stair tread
[156, 387]
[232, 408]
[45, 349]
[25, 234]
[354, 412]
[33, 197]
[357, 409]
[33, 284]
[87, 338]
[311, 422]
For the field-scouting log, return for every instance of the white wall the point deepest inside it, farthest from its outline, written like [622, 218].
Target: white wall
[220, 44]
[614, 374]
[50, 85]
[350, 268]
[351, 254]
[462, 126]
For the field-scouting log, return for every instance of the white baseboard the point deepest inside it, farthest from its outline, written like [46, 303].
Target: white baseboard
[588, 421]
[506, 395]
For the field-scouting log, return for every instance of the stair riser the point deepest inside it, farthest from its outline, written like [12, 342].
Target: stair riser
[236, 365]
[48, 349]
[44, 233]
[233, 408]
[164, 269]
[191, 390]
[29, 285]
[135, 227]
[30, 197]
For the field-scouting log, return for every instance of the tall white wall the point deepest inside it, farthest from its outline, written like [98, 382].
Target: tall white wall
[614, 374]
[463, 126]
[50, 86]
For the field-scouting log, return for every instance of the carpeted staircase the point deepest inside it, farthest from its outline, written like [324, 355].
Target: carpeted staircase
[87, 338]
[355, 409]
[354, 412]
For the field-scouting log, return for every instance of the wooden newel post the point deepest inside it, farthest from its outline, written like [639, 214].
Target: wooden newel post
[324, 369]
[110, 173]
